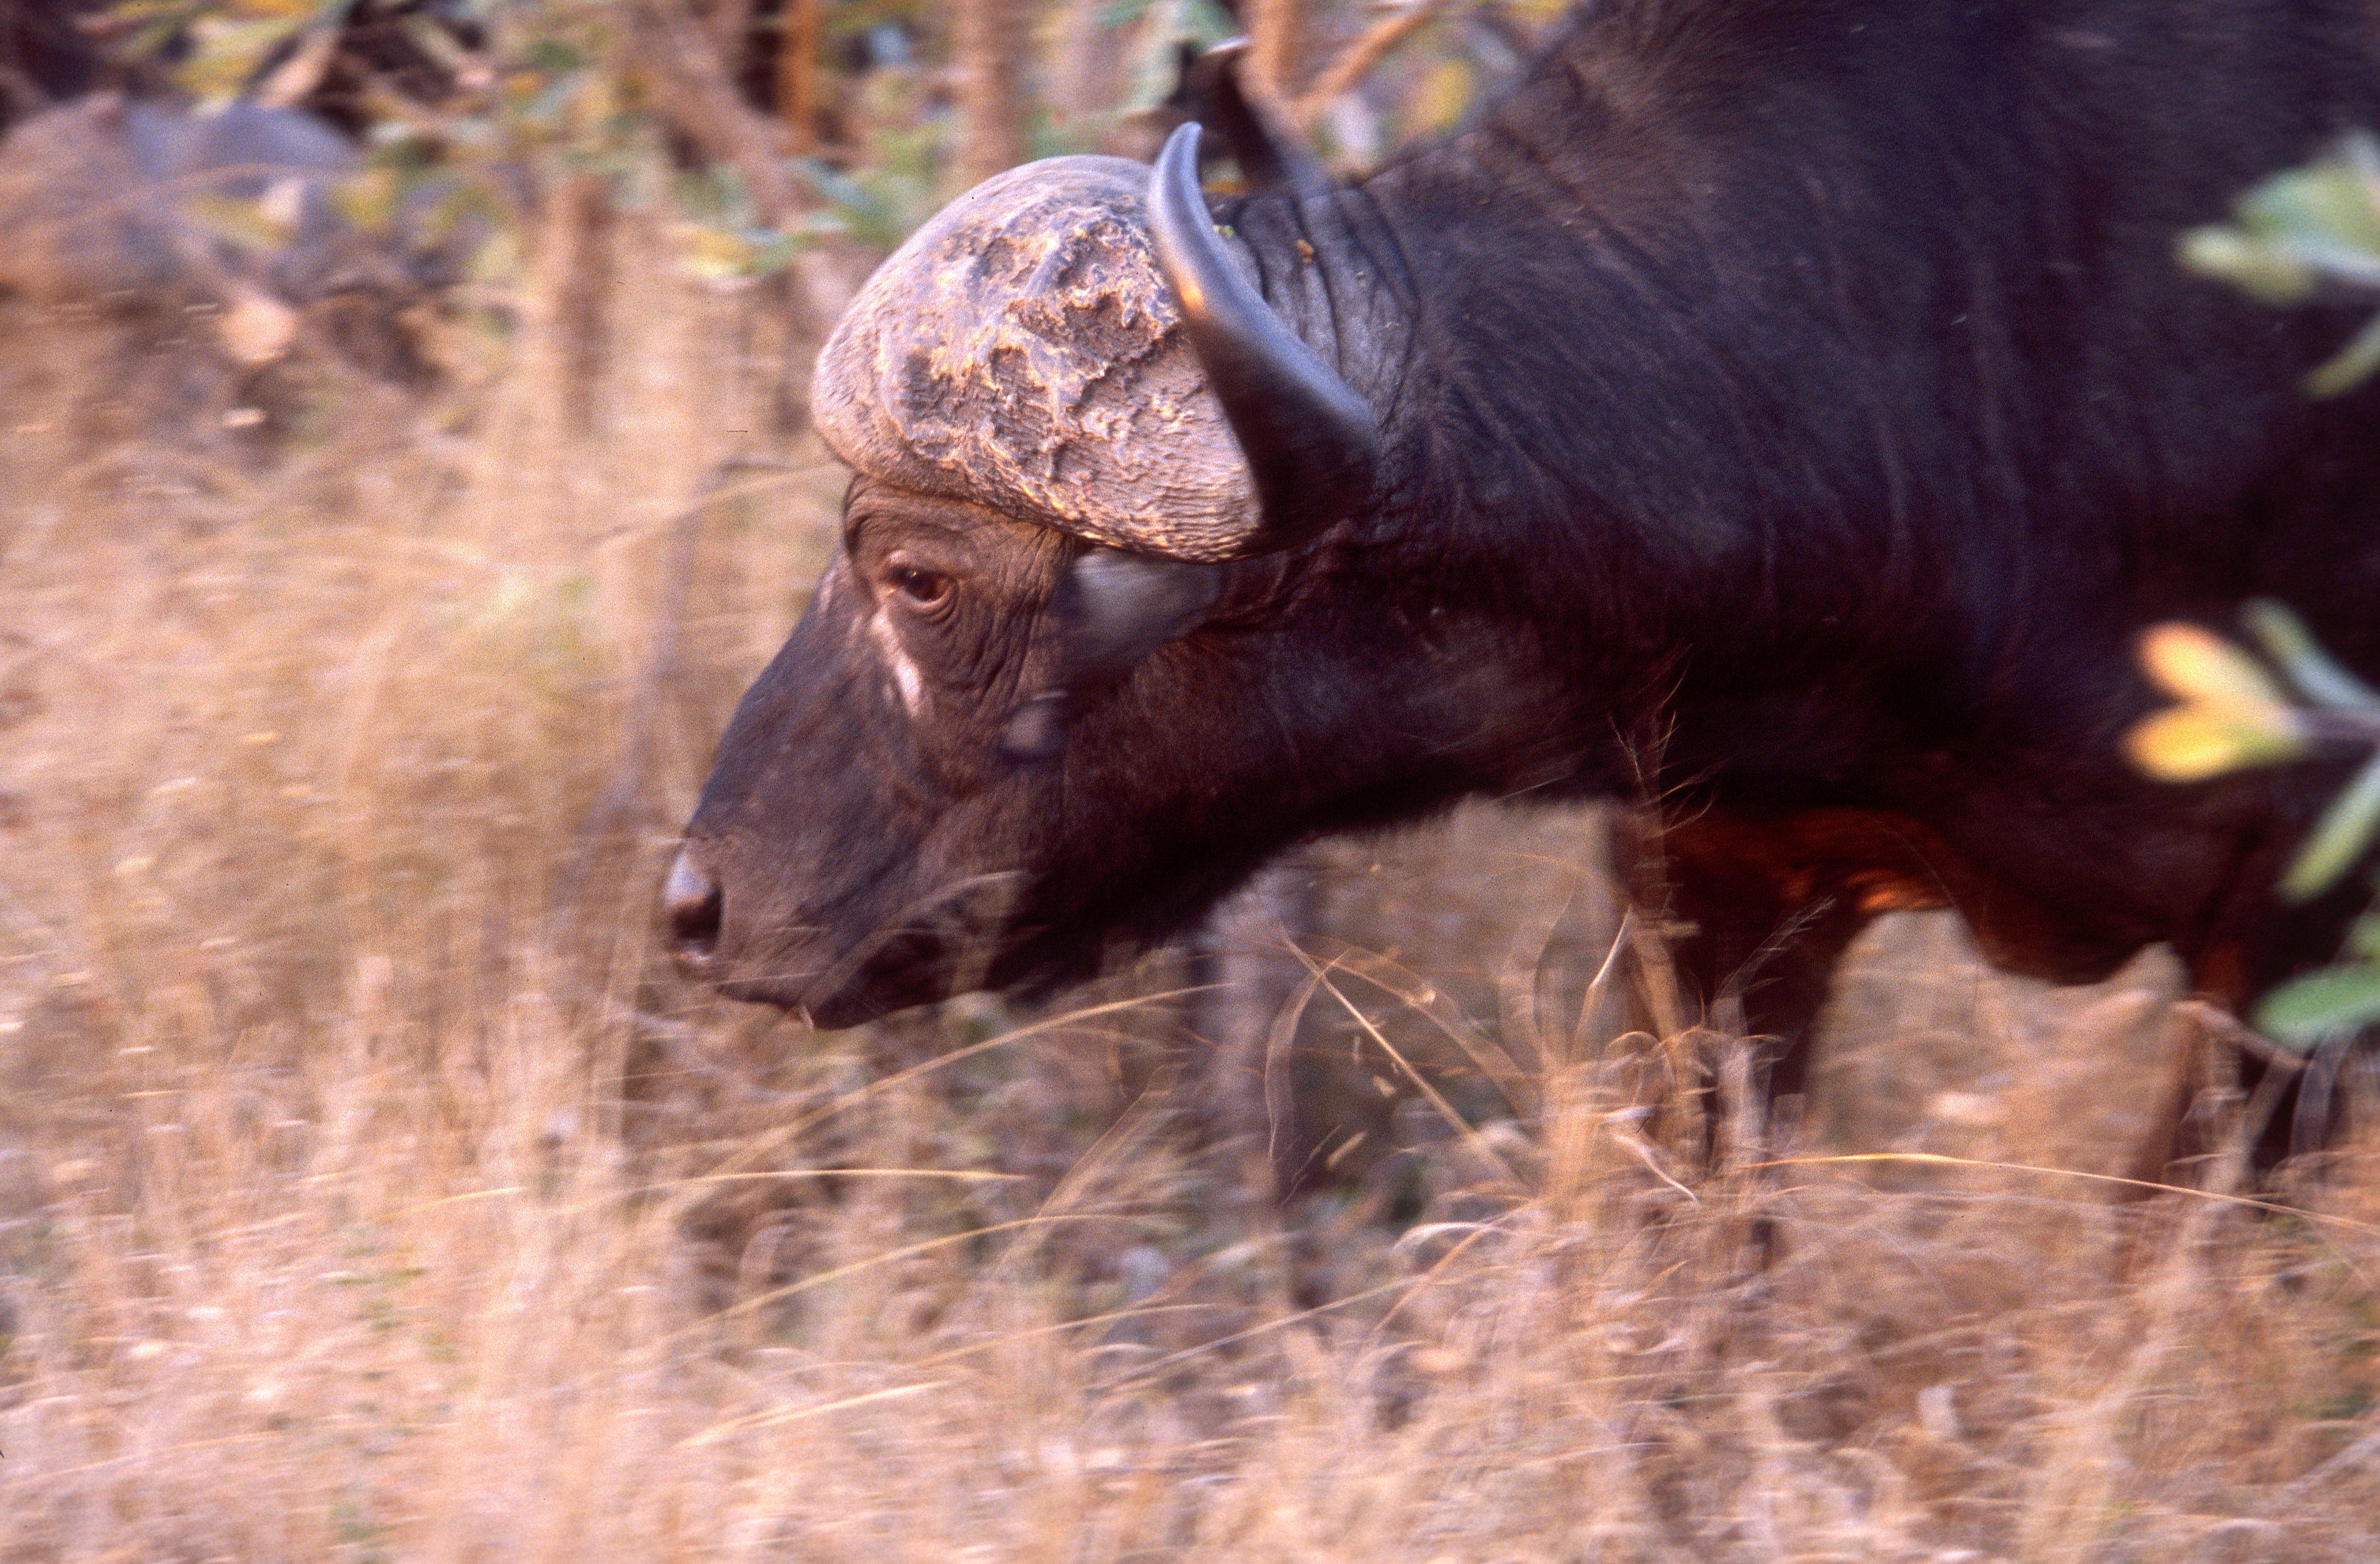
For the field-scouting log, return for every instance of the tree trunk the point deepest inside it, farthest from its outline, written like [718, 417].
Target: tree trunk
[797, 48]
[990, 51]
[1275, 45]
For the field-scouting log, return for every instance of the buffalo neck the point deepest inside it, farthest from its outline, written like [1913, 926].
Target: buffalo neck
[1779, 388]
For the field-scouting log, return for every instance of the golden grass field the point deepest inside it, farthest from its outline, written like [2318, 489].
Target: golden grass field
[371, 1189]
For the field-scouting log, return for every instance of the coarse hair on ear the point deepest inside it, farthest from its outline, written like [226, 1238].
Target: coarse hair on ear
[1111, 609]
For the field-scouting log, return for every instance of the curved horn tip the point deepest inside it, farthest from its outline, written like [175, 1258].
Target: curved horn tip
[1311, 443]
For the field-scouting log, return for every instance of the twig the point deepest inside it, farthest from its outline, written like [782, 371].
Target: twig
[697, 95]
[2354, 1455]
[2225, 1027]
[301, 70]
[695, 92]
[1359, 57]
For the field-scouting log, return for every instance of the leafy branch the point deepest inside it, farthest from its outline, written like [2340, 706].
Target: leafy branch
[2234, 711]
[2297, 231]
[2301, 236]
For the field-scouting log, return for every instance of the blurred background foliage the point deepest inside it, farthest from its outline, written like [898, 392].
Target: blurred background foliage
[770, 129]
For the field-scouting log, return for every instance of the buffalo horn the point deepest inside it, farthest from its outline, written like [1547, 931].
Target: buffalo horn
[1310, 443]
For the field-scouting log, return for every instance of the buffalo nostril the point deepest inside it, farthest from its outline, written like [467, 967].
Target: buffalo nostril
[692, 901]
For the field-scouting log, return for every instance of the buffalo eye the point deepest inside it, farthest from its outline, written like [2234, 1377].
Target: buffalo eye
[922, 588]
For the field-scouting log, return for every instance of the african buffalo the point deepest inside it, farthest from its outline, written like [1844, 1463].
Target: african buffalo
[1787, 411]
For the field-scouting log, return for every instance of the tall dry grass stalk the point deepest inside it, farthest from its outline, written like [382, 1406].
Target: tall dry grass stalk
[368, 1190]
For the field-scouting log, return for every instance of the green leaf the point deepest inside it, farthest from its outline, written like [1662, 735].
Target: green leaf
[1154, 65]
[2186, 744]
[772, 254]
[2339, 840]
[2305, 1009]
[2322, 209]
[2262, 268]
[2289, 643]
[496, 259]
[2351, 368]
[2297, 227]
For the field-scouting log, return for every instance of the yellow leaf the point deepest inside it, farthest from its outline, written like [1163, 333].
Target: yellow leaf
[1442, 96]
[367, 200]
[2193, 665]
[712, 253]
[2197, 741]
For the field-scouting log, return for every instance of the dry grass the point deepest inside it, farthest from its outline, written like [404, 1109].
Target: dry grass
[370, 1191]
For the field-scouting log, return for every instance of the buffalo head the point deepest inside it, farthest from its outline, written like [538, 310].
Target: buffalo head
[1041, 700]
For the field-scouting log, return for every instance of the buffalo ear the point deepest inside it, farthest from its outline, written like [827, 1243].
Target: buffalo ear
[1311, 443]
[1112, 609]
[1117, 607]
